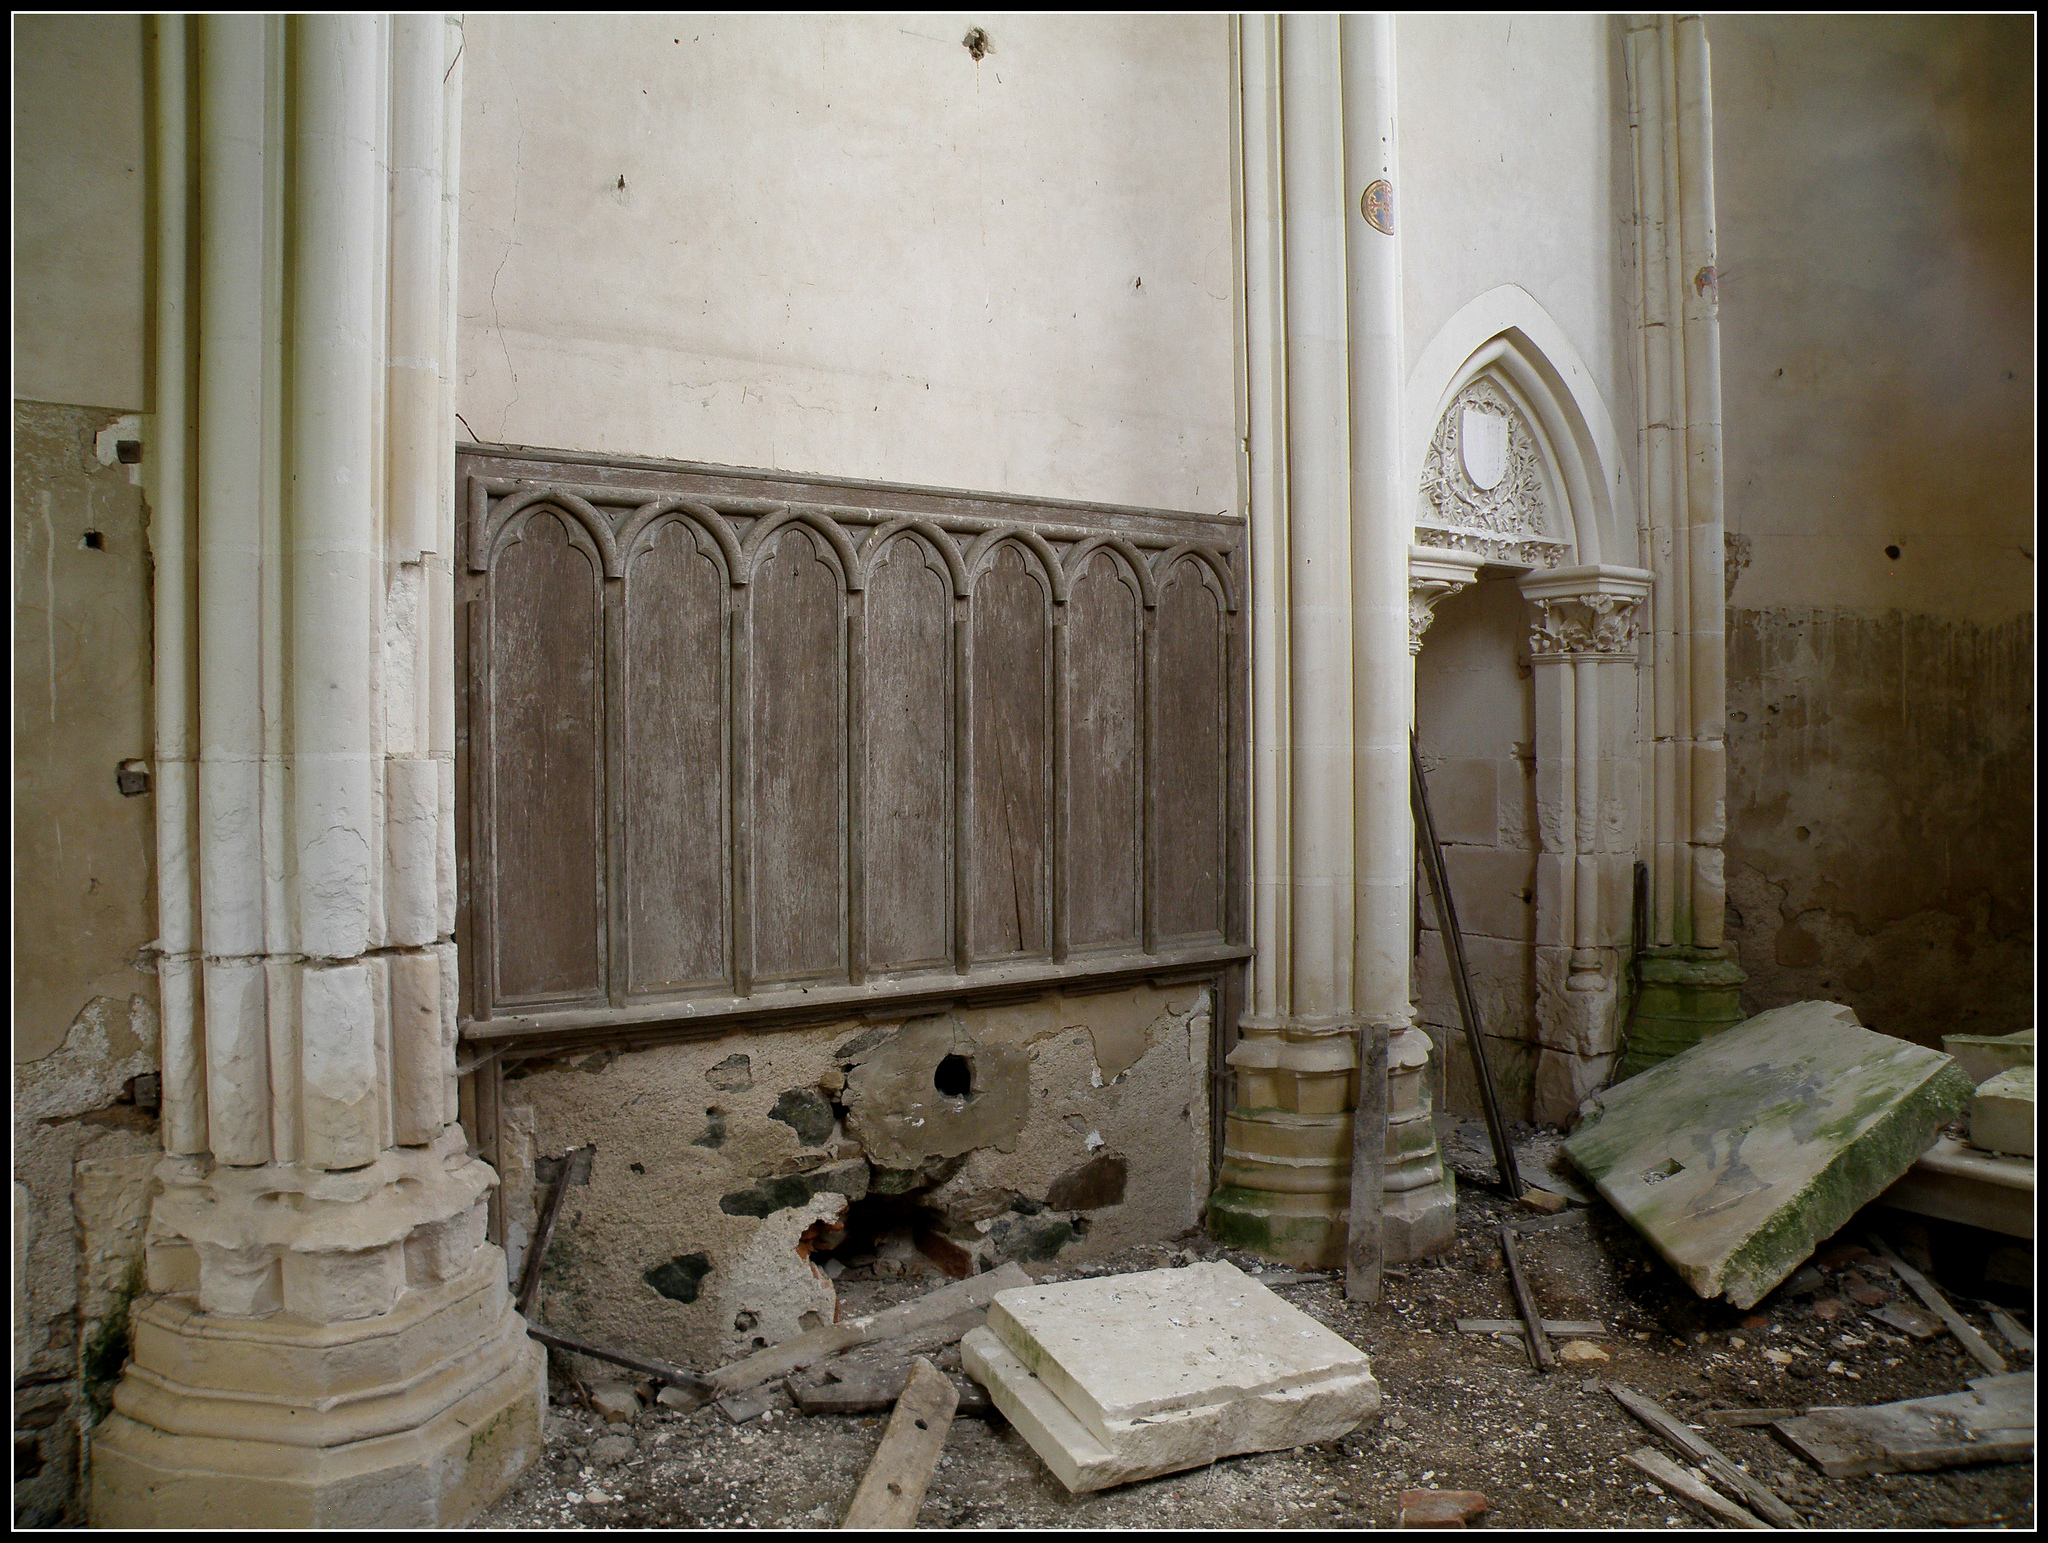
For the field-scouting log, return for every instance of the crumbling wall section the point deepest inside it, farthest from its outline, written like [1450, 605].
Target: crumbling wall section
[85, 1006]
[1880, 802]
[736, 1179]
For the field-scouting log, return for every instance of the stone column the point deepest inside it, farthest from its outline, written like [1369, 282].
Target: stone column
[1333, 855]
[1583, 647]
[327, 1339]
[1690, 979]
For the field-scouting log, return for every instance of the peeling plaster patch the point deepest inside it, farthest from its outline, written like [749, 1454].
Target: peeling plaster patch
[896, 1111]
[787, 1192]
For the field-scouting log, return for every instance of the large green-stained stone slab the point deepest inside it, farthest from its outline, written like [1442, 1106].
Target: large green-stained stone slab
[1737, 1157]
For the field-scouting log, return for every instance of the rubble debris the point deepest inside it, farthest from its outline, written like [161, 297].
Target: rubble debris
[2002, 1114]
[1442, 1507]
[1907, 1319]
[1682, 1439]
[893, 1489]
[1984, 1056]
[1539, 1343]
[1992, 1422]
[1581, 1350]
[1958, 1325]
[1125, 1377]
[1735, 1158]
[749, 1405]
[1555, 1328]
[616, 1401]
[1694, 1492]
[1546, 1201]
[814, 1345]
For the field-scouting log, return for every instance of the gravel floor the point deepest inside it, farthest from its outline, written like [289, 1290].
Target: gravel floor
[1461, 1412]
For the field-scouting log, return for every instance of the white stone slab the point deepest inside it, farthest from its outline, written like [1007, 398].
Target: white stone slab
[1165, 1370]
[2002, 1113]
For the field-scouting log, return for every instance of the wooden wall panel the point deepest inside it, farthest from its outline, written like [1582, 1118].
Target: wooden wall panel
[546, 642]
[1189, 788]
[909, 802]
[1012, 733]
[675, 790]
[798, 750]
[1104, 717]
[742, 746]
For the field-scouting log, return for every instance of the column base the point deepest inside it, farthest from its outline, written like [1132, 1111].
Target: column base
[419, 1417]
[1688, 994]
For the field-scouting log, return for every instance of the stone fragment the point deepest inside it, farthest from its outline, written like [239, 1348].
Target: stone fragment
[1736, 1157]
[610, 1451]
[1984, 1056]
[1827, 1309]
[1442, 1507]
[614, 1401]
[1862, 1293]
[2002, 1113]
[1543, 1200]
[1581, 1350]
[1125, 1377]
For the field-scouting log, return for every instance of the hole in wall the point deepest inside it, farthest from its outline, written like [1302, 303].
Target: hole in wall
[1892, 552]
[954, 1077]
[95, 540]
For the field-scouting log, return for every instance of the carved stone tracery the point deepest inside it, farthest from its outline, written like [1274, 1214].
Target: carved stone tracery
[1504, 520]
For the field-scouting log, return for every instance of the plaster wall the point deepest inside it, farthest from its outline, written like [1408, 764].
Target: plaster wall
[1875, 187]
[728, 1171]
[845, 245]
[1475, 722]
[1515, 168]
[79, 280]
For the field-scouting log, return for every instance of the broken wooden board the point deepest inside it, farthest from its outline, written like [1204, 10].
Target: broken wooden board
[1928, 1292]
[869, 1392]
[1993, 1422]
[1571, 1329]
[1688, 1443]
[815, 1345]
[750, 1405]
[1736, 1158]
[893, 1489]
[1748, 1416]
[2015, 1336]
[1538, 1341]
[1699, 1496]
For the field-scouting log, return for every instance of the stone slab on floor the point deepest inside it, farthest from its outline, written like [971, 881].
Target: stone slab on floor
[1984, 1056]
[2002, 1113]
[1125, 1377]
[1958, 1183]
[1735, 1158]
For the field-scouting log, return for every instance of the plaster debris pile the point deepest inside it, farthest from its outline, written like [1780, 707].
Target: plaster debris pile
[1126, 1377]
[1737, 1158]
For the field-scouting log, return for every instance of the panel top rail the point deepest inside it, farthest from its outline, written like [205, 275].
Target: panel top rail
[631, 481]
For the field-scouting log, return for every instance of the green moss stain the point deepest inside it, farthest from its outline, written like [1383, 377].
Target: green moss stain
[106, 1347]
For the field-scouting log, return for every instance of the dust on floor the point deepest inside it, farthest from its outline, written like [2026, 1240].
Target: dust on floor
[1461, 1412]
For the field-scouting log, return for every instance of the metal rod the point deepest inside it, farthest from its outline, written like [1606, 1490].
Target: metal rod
[1539, 1342]
[1461, 982]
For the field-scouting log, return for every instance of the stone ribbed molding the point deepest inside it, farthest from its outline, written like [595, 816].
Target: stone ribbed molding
[1333, 695]
[1690, 978]
[1583, 647]
[328, 1339]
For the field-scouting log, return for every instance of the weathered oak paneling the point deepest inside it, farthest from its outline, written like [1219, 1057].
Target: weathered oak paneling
[909, 794]
[1012, 756]
[1105, 668]
[798, 747]
[742, 746]
[1189, 789]
[545, 648]
[675, 797]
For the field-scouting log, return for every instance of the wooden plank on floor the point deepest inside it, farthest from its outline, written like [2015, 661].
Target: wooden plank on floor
[1699, 1496]
[1992, 1422]
[893, 1489]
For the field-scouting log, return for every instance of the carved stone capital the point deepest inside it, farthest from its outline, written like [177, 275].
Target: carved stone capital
[1584, 624]
[1423, 594]
[1434, 574]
